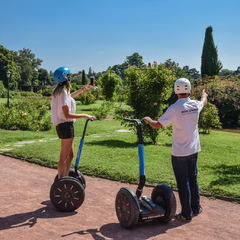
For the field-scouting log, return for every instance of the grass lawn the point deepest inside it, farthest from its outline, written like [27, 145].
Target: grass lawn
[4, 100]
[111, 153]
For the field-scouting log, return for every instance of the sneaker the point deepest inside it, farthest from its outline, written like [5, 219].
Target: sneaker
[199, 211]
[180, 217]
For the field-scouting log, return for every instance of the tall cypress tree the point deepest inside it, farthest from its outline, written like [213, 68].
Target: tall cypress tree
[210, 64]
[83, 78]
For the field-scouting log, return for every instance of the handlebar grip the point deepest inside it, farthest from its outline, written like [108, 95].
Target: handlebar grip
[133, 120]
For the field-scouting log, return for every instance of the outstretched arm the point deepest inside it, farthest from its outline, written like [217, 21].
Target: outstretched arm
[85, 88]
[204, 96]
[152, 123]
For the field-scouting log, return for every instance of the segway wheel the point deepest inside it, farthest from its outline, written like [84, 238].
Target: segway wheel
[73, 174]
[126, 206]
[67, 194]
[163, 196]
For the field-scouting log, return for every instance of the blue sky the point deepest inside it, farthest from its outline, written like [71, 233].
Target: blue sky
[100, 33]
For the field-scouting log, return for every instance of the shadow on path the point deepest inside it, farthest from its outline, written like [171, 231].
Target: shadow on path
[30, 218]
[115, 231]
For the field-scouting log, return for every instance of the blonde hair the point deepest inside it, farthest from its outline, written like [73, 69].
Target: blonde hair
[60, 87]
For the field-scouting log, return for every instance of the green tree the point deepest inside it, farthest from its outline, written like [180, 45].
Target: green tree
[3, 90]
[134, 60]
[224, 94]
[26, 72]
[179, 73]
[109, 82]
[90, 73]
[43, 77]
[28, 64]
[7, 64]
[119, 69]
[83, 78]
[226, 72]
[193, 72]
[147, 91]
[210, 65]
[51, 79]
[209, 118]
[77, 78]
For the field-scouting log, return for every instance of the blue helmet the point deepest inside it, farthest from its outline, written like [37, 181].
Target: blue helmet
[60, 74]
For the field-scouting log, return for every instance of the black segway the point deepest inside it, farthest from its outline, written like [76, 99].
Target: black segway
[68, 193]
[132, 208]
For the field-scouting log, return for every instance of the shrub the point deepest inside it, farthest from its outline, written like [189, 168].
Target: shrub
[86, 98]
[102, 112]
[3, 90]
[27, 94]
[97, 92]
[147, 89]
[109, 82]
[209, 118]
[74, 87]
[27, 114]
[47, 92]
[224, 94]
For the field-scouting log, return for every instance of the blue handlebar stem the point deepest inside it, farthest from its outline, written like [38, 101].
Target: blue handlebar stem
[141, 159]
[79, 153]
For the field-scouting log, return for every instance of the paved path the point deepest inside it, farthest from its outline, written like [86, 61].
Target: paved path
[27, 213]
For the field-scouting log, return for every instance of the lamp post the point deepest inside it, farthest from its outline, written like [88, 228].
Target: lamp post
[8, 73]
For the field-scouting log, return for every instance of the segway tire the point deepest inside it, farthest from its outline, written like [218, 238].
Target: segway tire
[67, 194]
[78, 176]
[127, 207]
[163, 196]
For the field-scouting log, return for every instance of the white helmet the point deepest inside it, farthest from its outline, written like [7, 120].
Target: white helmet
[182, 86]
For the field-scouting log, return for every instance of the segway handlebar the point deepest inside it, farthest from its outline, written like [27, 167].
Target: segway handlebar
[140, 155]
[139, 128]
[86, 127]
[81, 145]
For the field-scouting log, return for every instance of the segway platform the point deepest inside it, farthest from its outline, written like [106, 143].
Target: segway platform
[149, 210]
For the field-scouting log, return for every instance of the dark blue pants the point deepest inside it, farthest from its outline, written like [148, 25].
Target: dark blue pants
[185, 170]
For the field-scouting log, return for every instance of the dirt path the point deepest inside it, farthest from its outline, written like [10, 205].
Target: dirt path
[26, 211]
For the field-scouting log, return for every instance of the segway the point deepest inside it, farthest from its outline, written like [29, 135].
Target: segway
[132, 208]
[68, 193]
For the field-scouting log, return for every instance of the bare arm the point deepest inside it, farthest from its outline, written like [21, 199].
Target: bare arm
[152, 123]
[76, 93]
[69, 115]
[204, 96]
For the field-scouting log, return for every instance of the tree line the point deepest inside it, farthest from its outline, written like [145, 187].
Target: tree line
[26, 69]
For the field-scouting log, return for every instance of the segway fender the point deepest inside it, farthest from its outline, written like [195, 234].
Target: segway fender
[134, 196]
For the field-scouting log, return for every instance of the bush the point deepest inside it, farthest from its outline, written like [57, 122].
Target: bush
[97, 92]
[3, 90]
[86, 98]
[109, 82]
[47, 92]
[147, 90]
[102, 112]
[209, 118]
[224, 94]
[74, 87]
[27, 114]
[27, 94]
